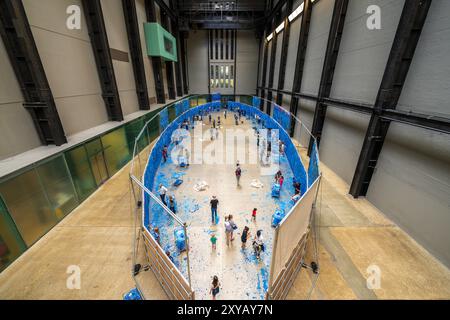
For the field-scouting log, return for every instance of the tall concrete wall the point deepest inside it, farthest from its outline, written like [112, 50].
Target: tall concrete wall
[276, 69]
[118, 40]
[17, 131]
[142, 18]
[362, 57]
[246, 61]
[412, 181]
[197, 61]
[69, 64]
[70, 67]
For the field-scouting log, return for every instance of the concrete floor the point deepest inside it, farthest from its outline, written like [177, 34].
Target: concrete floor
[352, 234]
[241, 274]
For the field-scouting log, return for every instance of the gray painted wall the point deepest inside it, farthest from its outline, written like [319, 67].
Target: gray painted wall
[427, 85]
[292, 53]
[276, 70]
[363, 53]
[246, 61]
[412, 181]
[17, 131]
[269, 55]
[197, 60]
[411, 184]
[69, 64]
[317, 44]
[142, 18]
[118, 39]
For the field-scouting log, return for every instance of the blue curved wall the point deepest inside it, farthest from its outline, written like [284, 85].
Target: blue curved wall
[155, 157]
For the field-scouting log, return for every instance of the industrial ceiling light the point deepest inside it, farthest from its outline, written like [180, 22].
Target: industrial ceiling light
[279, 28]
[269, 37]
[296, 12]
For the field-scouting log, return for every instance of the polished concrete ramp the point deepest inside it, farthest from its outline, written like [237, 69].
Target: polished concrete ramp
[353, 234]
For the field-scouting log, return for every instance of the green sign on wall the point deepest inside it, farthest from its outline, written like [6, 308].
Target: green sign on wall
[160, 43]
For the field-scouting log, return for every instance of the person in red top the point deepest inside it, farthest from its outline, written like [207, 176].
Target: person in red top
[254, 214]
[280, 181]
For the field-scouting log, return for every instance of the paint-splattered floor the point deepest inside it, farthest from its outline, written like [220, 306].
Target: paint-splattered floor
[242, 276]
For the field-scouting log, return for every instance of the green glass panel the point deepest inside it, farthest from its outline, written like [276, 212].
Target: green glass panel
[58, 185]
[202, 101]
[116, 150]
[153, 129]
[80, 169]
[132, 131]
[11, 243]
[246, 99]
[193, 102]
[151, 114]
[28, 205]
[94, 147]
[172, 113]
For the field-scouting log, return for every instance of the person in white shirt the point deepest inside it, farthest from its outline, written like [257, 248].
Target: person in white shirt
[258, 243]
[228, 230]
[162, 193]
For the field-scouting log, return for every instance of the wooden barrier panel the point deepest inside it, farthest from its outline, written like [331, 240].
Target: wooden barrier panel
[291, 237]
[170, 278]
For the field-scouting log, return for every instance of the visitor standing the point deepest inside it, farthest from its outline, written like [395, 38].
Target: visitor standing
[282, 148]
[233, 226]
[238, 173]
[215, 287]
[245, 235]
[278, 175]
[162, 193]
[213, 240]
[297, 187]
[258, 243]
[164, 153]
[156, 235]
[254, 214]
[228, 230]
[280, 181]
[214, 204]
[172, 204]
